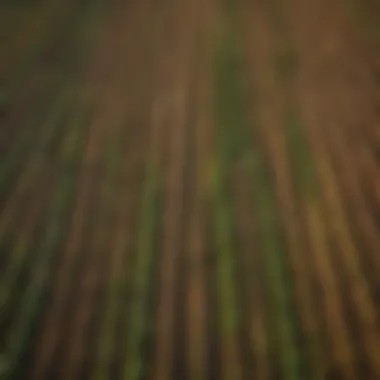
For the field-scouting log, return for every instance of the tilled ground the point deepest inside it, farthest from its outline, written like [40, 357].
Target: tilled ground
[189, 190]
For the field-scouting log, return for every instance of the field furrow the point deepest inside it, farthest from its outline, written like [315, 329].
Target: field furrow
[189, 190]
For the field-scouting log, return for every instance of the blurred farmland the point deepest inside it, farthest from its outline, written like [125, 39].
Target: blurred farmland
[189, 189]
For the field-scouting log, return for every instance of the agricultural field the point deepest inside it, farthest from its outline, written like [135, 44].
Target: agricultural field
[189, 190]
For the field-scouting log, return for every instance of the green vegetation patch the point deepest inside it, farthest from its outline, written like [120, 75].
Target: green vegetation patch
[231, 129]
[368, 19]
[114, 299]
[230, 101]
[277, 272]
[234, 143]
[33, 301]
[286, 64]
[298, 147]
[14, 159]
[139, 322]
[301, 157]
[226, 256]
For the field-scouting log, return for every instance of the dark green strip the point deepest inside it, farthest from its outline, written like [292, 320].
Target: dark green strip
[232, 119]
[13, 161]
[114, 293]
[56, 226]
[139, 321]
[231, 124]
[300, 154]
[368, 18]
[274, 257]
[73, 26]
[17, 262]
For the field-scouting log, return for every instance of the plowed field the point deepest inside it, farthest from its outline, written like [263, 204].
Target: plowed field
[190, 190]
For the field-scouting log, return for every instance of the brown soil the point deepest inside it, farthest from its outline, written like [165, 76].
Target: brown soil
[148, 77]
